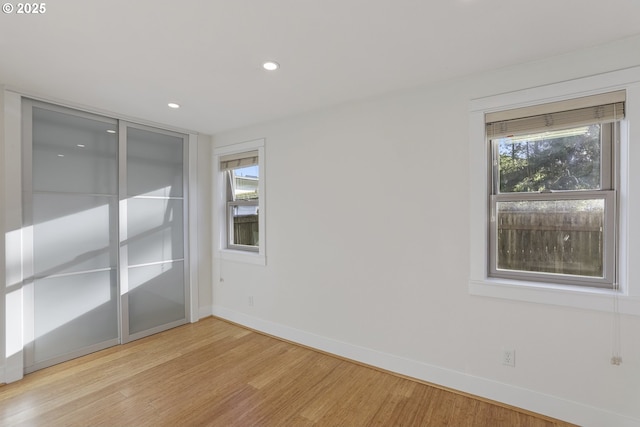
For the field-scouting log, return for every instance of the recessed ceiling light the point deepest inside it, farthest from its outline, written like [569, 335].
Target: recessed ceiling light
[173, 105]
[80, 145]
[60, 155]
[270, 65]
[111, 131]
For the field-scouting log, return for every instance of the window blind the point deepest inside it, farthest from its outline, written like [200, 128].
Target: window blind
[238, 160]
[601, 108]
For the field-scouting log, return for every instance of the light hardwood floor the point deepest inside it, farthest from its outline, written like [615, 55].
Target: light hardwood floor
[213, 373]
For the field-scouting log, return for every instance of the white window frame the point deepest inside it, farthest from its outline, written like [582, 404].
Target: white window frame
[480, 282]
[221, 207]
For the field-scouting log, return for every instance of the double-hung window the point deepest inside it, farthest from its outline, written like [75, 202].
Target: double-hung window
[242, 176]
[239, 202]
[553, 199]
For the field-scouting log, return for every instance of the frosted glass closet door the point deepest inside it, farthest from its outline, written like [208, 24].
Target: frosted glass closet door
[154, 237]
[71, 205]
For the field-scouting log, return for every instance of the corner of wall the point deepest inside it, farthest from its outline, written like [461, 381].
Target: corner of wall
[11, 316]
[2, 240]
[204, 219]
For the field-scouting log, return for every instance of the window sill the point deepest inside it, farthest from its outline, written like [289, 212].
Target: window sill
[566, 296]
[242, 256]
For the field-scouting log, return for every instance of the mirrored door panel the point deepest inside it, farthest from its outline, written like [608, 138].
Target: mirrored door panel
[153, 241]
[155, 297]
[65, 236]
[71, 218]
[74, 314]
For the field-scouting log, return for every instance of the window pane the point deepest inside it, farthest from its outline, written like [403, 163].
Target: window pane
[562, 237]
[245, 183]
[245, 225]
[561, 160]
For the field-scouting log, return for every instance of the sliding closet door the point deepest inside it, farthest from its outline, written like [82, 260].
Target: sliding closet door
[104, 231]
[153, 268]
[71, 220]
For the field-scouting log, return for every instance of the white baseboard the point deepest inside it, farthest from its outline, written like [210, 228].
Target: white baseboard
[529, 400]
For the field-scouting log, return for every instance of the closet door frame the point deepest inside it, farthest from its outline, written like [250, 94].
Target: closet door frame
[15, 301]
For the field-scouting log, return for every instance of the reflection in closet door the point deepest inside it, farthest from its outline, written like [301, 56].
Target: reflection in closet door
[70, 233]
[152, 231]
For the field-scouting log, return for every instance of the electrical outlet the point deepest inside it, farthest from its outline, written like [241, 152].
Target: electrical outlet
[509, 357]
[250, 301]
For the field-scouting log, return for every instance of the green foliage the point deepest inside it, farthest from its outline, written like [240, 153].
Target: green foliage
[554, 163]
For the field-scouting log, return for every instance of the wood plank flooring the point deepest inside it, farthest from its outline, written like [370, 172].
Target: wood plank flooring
[214, 373]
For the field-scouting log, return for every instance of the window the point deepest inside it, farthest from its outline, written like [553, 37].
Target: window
[553, 191]
[579, 291]
[242, 174]
[239, 202]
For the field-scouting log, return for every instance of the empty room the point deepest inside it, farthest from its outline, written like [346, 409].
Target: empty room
[320, 212]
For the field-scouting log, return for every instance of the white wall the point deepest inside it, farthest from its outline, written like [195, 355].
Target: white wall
[367, 210]
[203, 195]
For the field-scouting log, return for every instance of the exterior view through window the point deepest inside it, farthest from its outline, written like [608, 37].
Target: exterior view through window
[553, 199]
[243, 207]
[555, 235]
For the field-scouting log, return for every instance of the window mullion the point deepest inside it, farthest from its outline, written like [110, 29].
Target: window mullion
[551, 196]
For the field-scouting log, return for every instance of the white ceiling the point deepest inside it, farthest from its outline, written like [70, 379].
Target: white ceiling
[134, 56]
